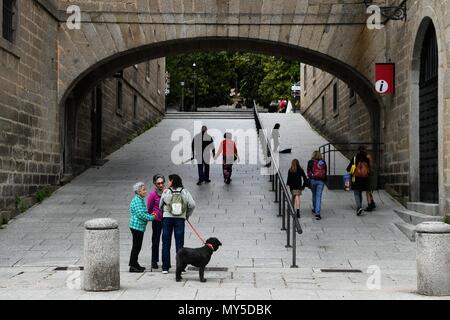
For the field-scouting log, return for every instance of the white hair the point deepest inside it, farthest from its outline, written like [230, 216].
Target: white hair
[138, 186]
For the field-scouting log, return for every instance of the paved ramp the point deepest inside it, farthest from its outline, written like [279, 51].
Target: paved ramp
[242, 216]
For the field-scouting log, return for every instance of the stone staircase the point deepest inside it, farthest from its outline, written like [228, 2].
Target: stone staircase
[246, 115]
[415, 214]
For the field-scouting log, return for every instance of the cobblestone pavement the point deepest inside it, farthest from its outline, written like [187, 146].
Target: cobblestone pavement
[242, 216]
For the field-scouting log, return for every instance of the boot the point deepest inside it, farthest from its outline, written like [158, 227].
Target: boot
[298, 213]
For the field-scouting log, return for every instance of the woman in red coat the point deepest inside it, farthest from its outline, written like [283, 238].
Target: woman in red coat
[230, 154]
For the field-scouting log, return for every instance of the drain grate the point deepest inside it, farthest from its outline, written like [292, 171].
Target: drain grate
[212, 269]
[340, 271]
[68, 268]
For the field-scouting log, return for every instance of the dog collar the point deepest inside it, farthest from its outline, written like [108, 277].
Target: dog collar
[209, 245]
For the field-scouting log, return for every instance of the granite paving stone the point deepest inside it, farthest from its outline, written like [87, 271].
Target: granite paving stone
[242, 215]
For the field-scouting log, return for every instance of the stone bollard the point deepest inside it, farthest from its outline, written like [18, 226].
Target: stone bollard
[433, 259]
[101, 255]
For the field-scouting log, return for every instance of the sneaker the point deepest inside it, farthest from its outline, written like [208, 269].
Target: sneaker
[155, 265]
[318, 218]
[313, 212]
[165, 272]
[368, 209]
[359, 212]
[199, 183]
[136, 270]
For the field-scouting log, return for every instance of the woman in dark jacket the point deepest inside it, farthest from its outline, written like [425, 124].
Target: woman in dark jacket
[359, 168]
[296, 182]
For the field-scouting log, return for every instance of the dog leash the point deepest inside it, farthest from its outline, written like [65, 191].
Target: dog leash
[201, 239]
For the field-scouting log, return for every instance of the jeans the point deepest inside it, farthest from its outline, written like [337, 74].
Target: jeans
[176, 226]
[203, 172]
[138, 236]
[358, 198]
[317, 187]
[156, 237]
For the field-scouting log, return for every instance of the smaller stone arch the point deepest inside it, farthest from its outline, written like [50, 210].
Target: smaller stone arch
[428, 21]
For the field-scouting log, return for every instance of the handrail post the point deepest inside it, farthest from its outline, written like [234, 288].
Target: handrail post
[288, 230]
[283, 222]
[294, 246]
[279, 197]
[276, 189]
[284, 204]
[329, 159]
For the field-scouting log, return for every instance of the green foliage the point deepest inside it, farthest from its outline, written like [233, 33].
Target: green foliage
[43, 194]
[447, 219]
[212, 77]
[279, 77]
[21, 205]
[258, 77]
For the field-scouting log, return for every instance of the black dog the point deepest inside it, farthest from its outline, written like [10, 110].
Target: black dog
[197, 257]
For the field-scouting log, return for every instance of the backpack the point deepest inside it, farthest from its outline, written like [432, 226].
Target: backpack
[362, 169]
[319, 170]
[178, 205]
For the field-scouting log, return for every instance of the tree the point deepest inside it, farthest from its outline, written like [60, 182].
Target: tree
[279, 76]
[258, 77]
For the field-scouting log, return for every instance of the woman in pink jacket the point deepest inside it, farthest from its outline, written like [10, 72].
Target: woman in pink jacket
[153, 208]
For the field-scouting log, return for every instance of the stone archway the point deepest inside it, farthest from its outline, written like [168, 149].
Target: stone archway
[89, 79]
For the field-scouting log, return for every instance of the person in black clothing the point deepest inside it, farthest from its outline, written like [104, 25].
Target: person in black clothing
[202, 147]
[361, 174]
[296, 182]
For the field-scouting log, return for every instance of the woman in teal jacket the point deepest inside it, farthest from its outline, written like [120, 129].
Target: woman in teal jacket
[139, 217]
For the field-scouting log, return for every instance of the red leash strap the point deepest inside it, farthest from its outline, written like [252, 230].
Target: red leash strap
[203, 241]
[195, 231]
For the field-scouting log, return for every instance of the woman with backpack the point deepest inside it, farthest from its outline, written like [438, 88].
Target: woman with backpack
[296, 182]
[154, 198]
[359, 168]
[317, 173]
[177, 205]
[229, 152]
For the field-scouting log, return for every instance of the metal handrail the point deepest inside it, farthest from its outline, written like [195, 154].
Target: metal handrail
[327, 149]
[281, 196]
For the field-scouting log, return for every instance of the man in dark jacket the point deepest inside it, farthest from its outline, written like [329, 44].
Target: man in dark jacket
[202, 146]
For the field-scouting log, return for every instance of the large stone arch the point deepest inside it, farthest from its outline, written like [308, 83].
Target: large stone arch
[428, 16]
[88, 79]
[115, 35]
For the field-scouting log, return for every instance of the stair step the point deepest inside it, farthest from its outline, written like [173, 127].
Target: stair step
[415, 218]
[408, 230]
[425, 208]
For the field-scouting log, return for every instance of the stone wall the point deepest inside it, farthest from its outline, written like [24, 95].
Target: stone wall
[350, 122]
[120, 125]
[397, 42]
[30, 115]
[29, 122]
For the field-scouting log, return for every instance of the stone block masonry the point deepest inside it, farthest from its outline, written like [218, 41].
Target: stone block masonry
[29, 128]
[31, 149]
